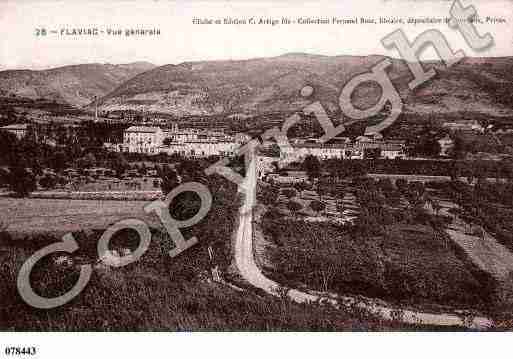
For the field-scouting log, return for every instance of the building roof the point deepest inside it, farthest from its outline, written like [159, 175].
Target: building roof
[320, 146]
[385, 146]
[201, 141]
[143, 129]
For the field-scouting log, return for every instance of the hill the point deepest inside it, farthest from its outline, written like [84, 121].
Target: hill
[266, 85]
[75, 85]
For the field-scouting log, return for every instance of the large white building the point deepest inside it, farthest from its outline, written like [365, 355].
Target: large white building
[200, 148]
[345, 150]
[143, 139]
[185, 142]
[300, 151]
[386, 149]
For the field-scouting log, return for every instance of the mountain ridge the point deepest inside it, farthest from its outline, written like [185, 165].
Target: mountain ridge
[273, 84]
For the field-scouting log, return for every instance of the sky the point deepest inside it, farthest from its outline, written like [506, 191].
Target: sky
[180, 40]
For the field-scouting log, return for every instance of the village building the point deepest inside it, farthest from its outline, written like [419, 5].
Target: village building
[200, 148]
[446, 144]
[323, 152]
[290, 178]
[363, 147]
[143, 139]
[464, 125]
[384, 149]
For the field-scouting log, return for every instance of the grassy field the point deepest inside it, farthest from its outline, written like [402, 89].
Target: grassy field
[26, 215]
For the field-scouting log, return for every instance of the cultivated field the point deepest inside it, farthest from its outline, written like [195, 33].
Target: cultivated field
[408, 267]
[28, 215]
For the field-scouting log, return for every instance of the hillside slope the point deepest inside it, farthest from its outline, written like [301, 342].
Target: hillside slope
[273, 85]
[76, 85]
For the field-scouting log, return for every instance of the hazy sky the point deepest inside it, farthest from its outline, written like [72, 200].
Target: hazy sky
[180, 40]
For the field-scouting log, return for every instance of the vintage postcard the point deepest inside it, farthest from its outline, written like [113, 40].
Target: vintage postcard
[221, 166]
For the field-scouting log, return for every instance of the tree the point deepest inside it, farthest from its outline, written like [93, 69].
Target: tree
[436, 206]
[169, 180]
[268, 195]
[401, 184]
[459, 149]
[8, 146]
[312, 166]
[385, 184]
[48, 181]
[4, 176]
[317, 206]
[37, 168]
[301, 186]
[507, 168]
[322, 189]
[89, 160]
[21, 181]
[142, 169]
[190, 171]
[456, 170]
[427, 145]
[120, 164]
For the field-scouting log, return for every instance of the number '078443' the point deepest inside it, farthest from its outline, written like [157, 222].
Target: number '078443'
[19, 351]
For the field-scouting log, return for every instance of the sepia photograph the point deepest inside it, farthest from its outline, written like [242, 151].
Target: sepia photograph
[241, 167]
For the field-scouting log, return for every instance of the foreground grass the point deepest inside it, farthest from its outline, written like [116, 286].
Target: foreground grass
[154, 295]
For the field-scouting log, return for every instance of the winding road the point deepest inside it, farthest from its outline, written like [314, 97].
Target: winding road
[246, 264]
